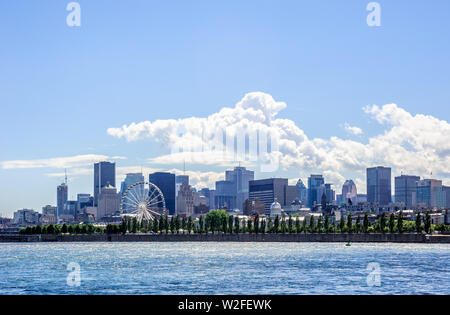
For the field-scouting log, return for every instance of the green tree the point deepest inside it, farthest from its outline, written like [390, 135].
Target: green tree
[166, 224]
[244, 226]
[326, 224]
[69, 229]
[84, 229]
[383, 223]
[256, 224]
[172, 225]
[350, 223]
[225, 224]
[90, 229]
[184, 224]
[134, 226]
[156, 224]
[263, 226]
[177, 224]
[270, 225]
[201, 224]
[319, 225]
[427, 223]
[312, 225]
[392, 223]
[297, 225]
[230, 224]
[290, 225]
[418, 223]
[214, 219]
[400, 222]
[51, 229]
[77, 229]
[358, 224]
[342, 224]
[276, 225]
[38, 229]
[366, 223]
[236, 224]
[250, 225]
[190, 225]
[283, 226]
[304, 225]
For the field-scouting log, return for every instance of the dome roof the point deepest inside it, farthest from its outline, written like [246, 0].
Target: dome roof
[275, 206]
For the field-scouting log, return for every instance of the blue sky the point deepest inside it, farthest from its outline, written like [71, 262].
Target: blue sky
[61, 88]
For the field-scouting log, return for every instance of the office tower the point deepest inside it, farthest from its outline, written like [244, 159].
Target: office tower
[268, 191]
[349, 193]
[185, 201]
[240, 177]
[26, 217]
[447, 196]
[405, 189]
[180, 179]
[61, 196]
[70, 208]
[166, 183]
[379, 185]
[83, 201]
[108, 202]
[130, 179]
[225, 197]
[104, 175]
[314, 182]
[326, 191]
[303, 192]
[430, 193]
[50, 211]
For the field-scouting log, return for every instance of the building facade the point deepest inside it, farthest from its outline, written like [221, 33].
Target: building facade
[379, 185]
[405, 189]
[349, 193]
[61, 198]
[104, 175]
[108, 202]
[314, 183]
[166, 183]
[268, 191]
[185, 201]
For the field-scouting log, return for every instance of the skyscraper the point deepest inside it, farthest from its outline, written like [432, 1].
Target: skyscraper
[314, 182]
[349, 192]
[108, 202]
[405, 189]
[240, 177]
[303, 192]
[61, 196]
[104, 175]
[430, 193]
[379, 185]
[269, 190]
[185, 201]
[166, 183]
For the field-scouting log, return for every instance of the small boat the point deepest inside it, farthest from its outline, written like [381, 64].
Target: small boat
[348, 244]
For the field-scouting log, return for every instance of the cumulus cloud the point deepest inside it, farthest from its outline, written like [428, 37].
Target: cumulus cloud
[416, 144]
[61, 162]
[353, 130]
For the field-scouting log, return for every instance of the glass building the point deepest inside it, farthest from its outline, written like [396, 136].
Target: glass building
[104, 175]
[379, 185]
[166, 183]
[405, 189]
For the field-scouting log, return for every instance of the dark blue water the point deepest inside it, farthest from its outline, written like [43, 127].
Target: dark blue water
[225, 268]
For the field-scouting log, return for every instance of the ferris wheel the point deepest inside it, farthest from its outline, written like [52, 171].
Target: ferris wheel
[143, 200]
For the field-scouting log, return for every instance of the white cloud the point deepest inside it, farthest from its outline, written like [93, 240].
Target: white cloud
[416, 144]
[62, 162]
[353, 130]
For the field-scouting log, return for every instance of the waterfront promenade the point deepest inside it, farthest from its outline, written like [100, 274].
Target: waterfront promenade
[260, 238]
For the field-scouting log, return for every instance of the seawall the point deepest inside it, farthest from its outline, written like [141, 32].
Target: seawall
[281, 238]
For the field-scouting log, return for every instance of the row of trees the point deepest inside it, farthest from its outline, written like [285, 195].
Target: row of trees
[54, 229]
[218, 221]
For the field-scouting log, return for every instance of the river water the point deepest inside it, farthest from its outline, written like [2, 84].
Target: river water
[224, 268]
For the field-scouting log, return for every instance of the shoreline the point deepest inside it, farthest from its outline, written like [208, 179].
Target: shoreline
[258, 238]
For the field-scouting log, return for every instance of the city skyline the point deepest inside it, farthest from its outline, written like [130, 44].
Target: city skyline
[119, 89]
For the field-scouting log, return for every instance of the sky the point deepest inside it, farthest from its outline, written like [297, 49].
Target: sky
[340, 95]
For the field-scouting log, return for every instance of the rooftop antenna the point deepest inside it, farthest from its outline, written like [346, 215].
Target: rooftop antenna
[65, 176]
[184, 167]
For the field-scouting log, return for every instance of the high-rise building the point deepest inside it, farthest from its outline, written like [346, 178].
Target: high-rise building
[225, 197]
[405, 189]
[240, 177]
[185, 201]
[50, 211]
[166, 183]
[104, 175]
[429, 192]
[303, 192]
[61, 196]
[379, 185]
[83, 201]
[108, 202]
[447, 196]
[326, 191]
[349, 193]
[314, 182]
[268, 191]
